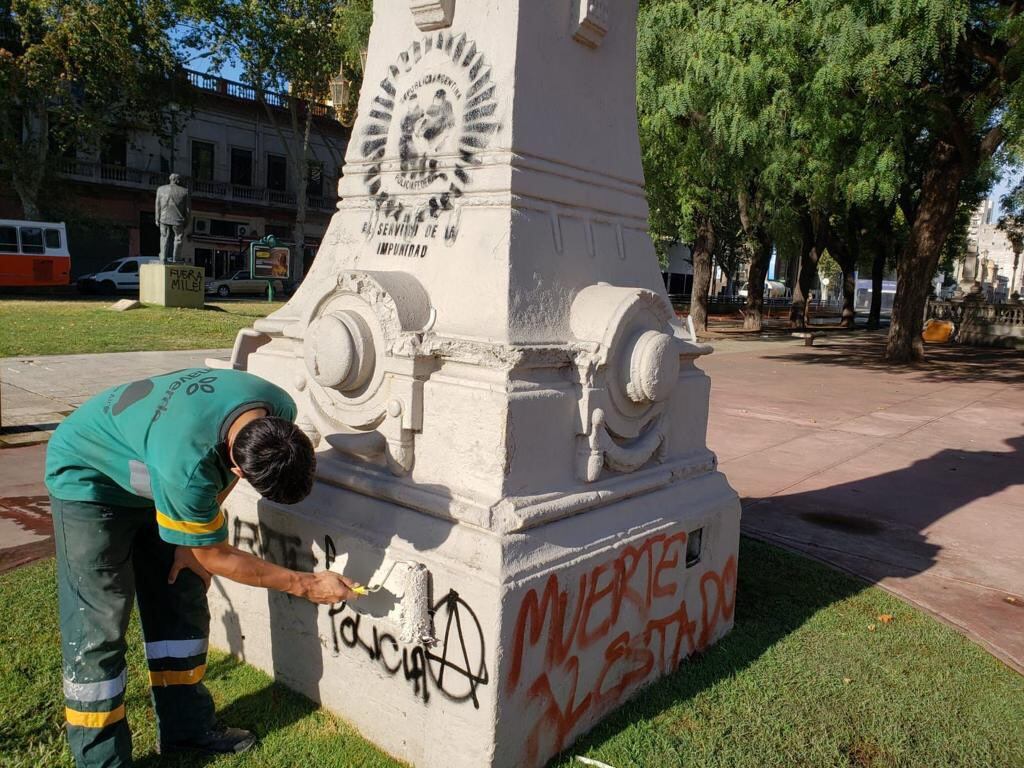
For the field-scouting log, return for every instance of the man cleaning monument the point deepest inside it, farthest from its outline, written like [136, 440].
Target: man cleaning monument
[136, 477]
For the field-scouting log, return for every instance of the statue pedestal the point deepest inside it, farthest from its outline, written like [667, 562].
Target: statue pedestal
[172, 285]
[499, 390]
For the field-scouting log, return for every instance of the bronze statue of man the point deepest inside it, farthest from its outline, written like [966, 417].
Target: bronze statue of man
[173, 208]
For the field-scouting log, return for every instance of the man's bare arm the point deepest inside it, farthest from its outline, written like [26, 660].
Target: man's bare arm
[224, 494]
[325, 587]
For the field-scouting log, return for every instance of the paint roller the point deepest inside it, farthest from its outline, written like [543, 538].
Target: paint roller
[409, 582]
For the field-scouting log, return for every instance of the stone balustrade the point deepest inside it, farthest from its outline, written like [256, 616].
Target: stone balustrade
[981, 324]
[138, 178]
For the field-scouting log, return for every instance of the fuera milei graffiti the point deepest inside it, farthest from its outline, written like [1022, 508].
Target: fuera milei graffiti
[633, 607]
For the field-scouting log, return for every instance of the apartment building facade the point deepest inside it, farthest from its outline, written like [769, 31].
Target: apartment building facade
[232, 157]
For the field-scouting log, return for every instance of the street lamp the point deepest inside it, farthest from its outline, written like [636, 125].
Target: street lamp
[341, 89]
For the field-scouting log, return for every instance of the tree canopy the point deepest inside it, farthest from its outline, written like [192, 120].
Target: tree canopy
[282, 46]
[826, 117]
[73, 71]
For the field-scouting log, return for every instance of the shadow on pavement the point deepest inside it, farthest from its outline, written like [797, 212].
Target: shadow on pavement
[946, 363]
[877, 528]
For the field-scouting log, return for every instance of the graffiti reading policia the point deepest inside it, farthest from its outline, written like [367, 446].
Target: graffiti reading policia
[455, 667]
[432, 117]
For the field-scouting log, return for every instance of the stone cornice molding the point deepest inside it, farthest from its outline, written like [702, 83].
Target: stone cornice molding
[432, 14]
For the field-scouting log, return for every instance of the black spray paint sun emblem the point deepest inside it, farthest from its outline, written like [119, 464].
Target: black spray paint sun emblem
[433, 116]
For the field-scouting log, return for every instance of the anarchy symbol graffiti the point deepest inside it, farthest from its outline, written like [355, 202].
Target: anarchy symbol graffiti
[457, 665]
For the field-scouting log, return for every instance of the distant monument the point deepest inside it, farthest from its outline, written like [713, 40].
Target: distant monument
[173, 209]
[500, 392]
[172, 283]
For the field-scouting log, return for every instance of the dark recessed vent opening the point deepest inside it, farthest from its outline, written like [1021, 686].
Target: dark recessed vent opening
[694, 539]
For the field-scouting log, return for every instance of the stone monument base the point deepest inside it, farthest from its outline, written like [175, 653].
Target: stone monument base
[540, 634]
[172, 285]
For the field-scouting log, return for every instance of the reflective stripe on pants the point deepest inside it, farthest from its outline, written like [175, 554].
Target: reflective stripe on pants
[107, 556]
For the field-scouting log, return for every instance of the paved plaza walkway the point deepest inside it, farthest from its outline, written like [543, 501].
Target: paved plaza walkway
[37, 393]
[910, 478]
[35, 396]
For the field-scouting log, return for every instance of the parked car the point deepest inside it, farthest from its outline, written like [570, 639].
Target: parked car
[241, 284]
[773, 289]
[118, 275]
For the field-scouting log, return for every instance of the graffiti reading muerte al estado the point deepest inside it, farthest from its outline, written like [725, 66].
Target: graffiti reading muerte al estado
[630, 614]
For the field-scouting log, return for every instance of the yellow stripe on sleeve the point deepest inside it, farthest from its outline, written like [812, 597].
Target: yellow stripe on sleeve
[186, 677]
[183, 526]
[93, 719]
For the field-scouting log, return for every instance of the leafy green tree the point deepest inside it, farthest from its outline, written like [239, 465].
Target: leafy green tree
[705, 84]
[690, 200]
[282, 46]
[354, 18]
[942, 92]
[72, 72]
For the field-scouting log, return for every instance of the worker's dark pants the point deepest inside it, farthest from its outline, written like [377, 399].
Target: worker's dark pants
[106, 556]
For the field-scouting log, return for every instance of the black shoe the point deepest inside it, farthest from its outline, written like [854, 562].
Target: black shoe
[216, 741]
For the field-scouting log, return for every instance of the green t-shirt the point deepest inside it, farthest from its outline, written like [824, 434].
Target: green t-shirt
[160, 442]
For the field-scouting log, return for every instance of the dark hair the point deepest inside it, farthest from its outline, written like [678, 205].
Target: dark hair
[277, 459]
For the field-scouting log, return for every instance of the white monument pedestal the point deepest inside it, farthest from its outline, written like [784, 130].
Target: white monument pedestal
[172, 285]
[500, 391]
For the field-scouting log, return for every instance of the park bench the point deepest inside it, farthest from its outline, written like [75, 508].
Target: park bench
[807, 336]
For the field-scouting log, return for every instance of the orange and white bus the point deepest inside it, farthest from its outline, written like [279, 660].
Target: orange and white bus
[33, 254]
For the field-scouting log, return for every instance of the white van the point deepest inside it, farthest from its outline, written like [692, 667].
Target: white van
[118, 275]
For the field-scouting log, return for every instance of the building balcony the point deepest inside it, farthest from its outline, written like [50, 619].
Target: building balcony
[242, 92]
[138, 178]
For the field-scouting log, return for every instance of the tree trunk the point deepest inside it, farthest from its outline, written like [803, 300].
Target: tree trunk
[29, 170]
[760, 257]
[877, 275]
[1016, 265]
[844, 248]
[703, 247]
[920, 258]
[301, 183]
[807, 274]
[849, 318]
[793, 273]
[759, 247]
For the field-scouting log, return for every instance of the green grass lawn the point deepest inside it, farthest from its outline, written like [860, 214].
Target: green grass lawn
[803, 680]
[50, 327]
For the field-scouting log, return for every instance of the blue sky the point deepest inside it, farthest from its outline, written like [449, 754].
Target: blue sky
[1004, 186]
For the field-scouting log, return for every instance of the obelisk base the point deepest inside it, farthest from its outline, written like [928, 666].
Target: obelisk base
[540, 634]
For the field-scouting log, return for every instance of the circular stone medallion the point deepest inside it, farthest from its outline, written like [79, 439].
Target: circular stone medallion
[432, 117]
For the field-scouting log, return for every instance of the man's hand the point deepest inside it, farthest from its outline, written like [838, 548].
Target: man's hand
[326, 588]
[185, 560]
